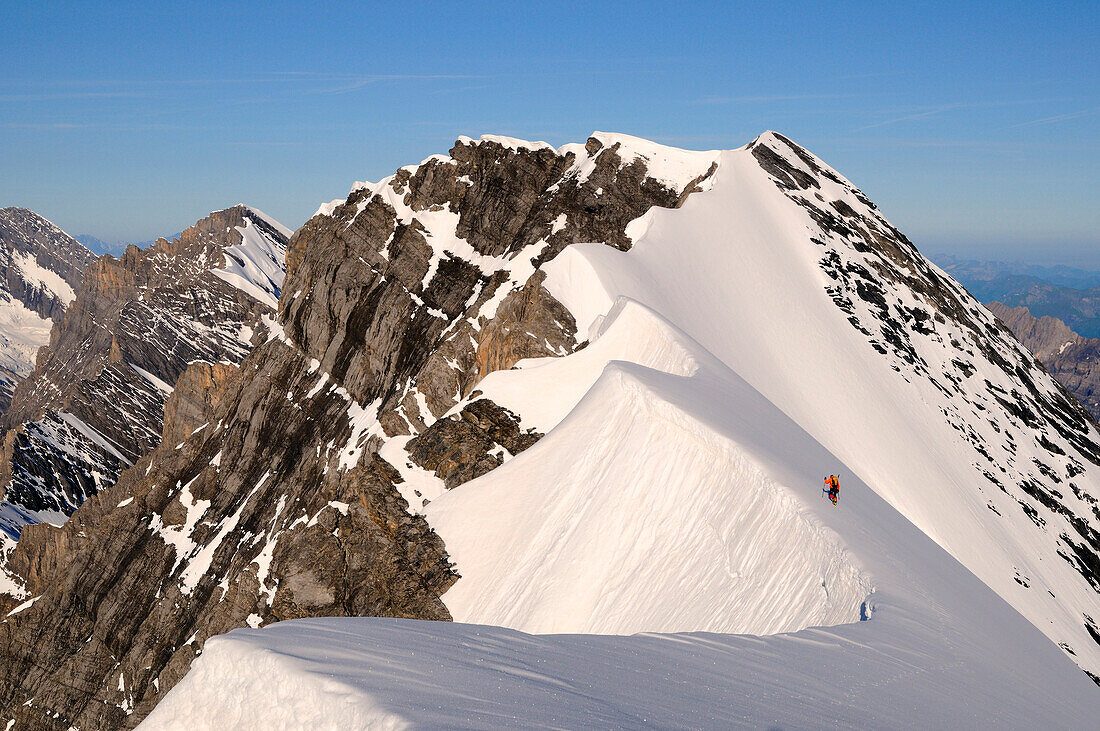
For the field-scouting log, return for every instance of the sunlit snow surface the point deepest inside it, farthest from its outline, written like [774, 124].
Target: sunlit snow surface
[391, 674]
[678, 492]
[654, 505]
[22, 333]
[39, 277]
[256, 266]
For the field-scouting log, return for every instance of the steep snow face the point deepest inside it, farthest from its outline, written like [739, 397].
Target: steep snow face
[257, 265]
[41, 278]
[635, 514]
[22, 333]
[791, 278]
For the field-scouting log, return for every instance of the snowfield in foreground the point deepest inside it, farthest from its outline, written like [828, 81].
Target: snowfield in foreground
[936, 647]
[392, 673]
[678, 492]
[653, 506]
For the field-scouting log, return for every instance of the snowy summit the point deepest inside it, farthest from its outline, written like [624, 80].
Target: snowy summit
[635, 510]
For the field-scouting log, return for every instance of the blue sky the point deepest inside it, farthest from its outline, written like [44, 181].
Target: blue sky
[975, 126]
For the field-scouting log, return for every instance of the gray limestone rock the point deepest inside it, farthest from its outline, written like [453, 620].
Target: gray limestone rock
[1074, 361]
[95, 402]
[277, 504]
[40, 266]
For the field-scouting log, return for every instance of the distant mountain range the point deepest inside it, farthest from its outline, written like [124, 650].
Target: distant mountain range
[1058, 275]
[1074, 361]
[116, 248]
[1069, 294]
[93, 402]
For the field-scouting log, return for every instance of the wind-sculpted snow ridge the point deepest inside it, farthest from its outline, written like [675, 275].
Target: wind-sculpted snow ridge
[279, 502]
[744, 345]
[658, 522]
[96, 402]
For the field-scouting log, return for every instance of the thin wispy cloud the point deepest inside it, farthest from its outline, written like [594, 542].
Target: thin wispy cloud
[306, 82]
[1055, 119]
[895, 143]
[871, 75]
[956, 106]
[363, 81]
[70, 96]
[110, 126]
[917, 115]
[460, 89]
[767, 98]
[44, 125]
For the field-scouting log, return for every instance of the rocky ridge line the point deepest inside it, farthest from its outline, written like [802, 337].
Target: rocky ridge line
[280, 503]
[95, 402]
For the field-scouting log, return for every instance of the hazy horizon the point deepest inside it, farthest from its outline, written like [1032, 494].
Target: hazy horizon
[982, 143]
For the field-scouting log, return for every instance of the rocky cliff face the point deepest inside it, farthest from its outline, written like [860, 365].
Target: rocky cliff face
[1074, 361]
[96, 400]
[281, 502]
[40, 266]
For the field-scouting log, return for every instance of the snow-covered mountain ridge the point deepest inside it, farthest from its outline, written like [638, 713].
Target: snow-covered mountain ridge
[735, 350]
[607, 378]
[984, 429]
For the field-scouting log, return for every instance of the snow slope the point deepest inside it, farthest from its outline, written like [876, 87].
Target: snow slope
[938, 647]
[22, 333]
[636, 515]
[749, 343]
[41, 278]
[257, 265]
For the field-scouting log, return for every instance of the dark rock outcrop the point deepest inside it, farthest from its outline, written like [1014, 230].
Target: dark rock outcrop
[95, 402]
[278, 504]
[40, 266]
[459, 448]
